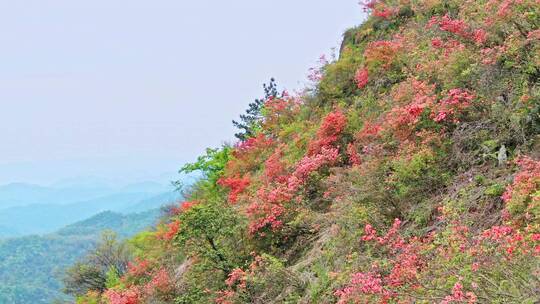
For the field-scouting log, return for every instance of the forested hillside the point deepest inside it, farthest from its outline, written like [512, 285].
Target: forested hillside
[32, 267]
[408, 172]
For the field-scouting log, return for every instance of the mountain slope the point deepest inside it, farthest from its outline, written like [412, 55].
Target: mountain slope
[124, 225]
[408, 173]
[31, 267]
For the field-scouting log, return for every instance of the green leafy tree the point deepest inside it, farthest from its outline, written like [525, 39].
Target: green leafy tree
[211, 165]
[209, 230]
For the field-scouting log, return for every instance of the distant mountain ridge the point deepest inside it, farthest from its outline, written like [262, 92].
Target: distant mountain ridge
[21, 194]
[41, 219]
[27, 209]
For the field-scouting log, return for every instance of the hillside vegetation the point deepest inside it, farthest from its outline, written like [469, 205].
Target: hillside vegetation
[32, 267]
[408, 173]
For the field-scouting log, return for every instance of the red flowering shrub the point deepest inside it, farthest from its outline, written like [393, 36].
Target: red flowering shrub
[280, 110]
[251, 144]
[459, 28]
[491, 55]
[412, 100]
[361, 78]
[247, 155]
[309, 164]
[352, 153]
[384, 12]
[449, 47]
[437, 42]
[237, 276]
[138, 268]
[369, 132]
[363, 285]
[128, 296]
[159, 283]
[459, 296]
[379, 8]
[456, 26]
[508, 241]
[182, 207]
[533, 35]
[403, 118]
[382, 52]
[261, 282]
[266, 210]
[276, 105]
[329, 133]
[263, 215]
[225, 297]
[236, 185]
[274, 169]
[185, 206]
[457, 101]
[171, 231]
[384, 283]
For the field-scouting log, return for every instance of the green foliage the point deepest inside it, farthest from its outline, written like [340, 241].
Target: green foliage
[413, 174]
[495, 190]
[207, 231]
[112, 278]
[339, 80]
[211, 165]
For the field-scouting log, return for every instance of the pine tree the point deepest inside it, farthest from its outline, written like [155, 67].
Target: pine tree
[250, 121]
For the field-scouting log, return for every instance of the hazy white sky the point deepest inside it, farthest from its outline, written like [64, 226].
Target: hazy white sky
[125, 88]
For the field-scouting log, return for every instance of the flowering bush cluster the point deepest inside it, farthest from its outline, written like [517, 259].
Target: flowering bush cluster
[138, 268]
[171, 231]
[158, 284]
[274, 169]
[266, 210]
[448, 108]
[386, 282]
[328, 134]
[361, 78]
[410, 263]
[459, 296]
[459, 28]
[383, 52]
[379, 8]
[144, 281]
[236, 185]
[129, 296]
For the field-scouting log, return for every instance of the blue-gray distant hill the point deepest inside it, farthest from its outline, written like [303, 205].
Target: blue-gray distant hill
[27, 209]
[41, 219]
